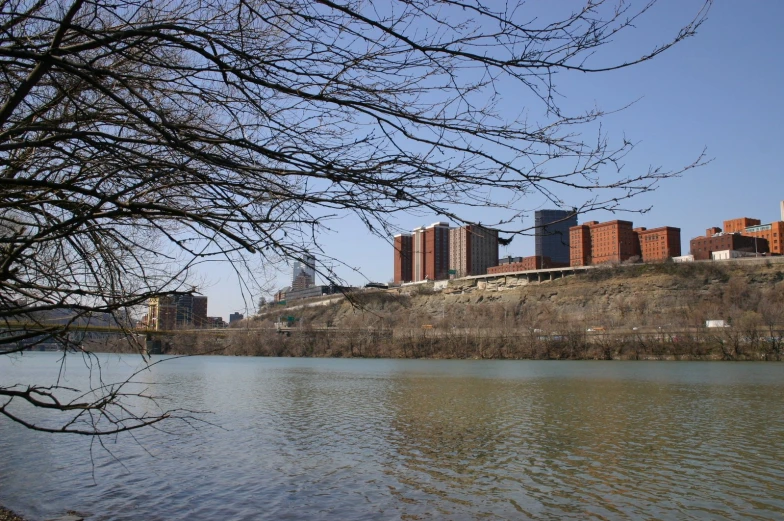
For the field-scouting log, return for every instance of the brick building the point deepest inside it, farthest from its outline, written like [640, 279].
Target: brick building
[403, 258]
[773, 232]
[702, 247]
[430, 252]
[617, 241]
[580, 244]
[551, 234]
[596, 243]
[739, 225]
[472, 250]
[512, 264]
[659, 244]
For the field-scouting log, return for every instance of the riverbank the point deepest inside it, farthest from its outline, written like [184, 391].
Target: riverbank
[7, 515]
[635, 312]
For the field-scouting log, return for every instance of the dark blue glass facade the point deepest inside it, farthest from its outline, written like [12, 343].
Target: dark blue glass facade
[552, 233]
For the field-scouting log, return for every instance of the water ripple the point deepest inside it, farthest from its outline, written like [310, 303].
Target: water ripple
[332, 439]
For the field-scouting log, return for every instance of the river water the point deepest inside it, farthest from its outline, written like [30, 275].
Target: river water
[417, 439]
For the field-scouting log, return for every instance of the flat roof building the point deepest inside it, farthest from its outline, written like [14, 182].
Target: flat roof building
[403, 258]
[773, 233]
[659, 244]
[739, 224]
[702, 248]
[597, 243]
[472, 250]
[617, 241]
[551, 234]
[430, 252]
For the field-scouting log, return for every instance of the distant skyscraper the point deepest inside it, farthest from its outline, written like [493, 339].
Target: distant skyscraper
[307, 265]
[552, 233]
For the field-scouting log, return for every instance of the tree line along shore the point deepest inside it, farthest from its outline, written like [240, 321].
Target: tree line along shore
[653, 311]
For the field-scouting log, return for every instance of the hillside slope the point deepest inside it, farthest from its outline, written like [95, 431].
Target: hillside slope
[638, 311]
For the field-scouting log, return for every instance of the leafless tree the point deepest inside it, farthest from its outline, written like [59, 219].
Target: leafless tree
[139, 138]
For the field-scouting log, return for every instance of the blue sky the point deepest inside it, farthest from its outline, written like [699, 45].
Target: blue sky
[720, 90]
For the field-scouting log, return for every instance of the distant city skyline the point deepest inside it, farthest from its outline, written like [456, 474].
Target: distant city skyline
[710, 91]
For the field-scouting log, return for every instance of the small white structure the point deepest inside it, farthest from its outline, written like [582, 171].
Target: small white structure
[716, 323]
[731, 254]
[683, 258]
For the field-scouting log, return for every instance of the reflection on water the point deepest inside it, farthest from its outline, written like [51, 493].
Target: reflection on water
[375, 439]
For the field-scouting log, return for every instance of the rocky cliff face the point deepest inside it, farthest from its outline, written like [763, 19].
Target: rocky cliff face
[624, 296]
[626, 312]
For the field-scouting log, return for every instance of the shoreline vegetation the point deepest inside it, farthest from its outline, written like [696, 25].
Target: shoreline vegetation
[8, 515]
[636, 312]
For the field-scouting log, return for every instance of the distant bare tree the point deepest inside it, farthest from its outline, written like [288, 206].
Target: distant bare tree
[139, 138]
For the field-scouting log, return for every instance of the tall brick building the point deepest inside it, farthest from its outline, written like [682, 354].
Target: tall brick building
[472, 250]
[430, 252]
[403, 258]
[580, 244]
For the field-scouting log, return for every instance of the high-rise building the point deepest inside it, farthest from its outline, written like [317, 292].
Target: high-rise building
[235, 317]
[306, 264]
[430, 252]
[403, 258]
[472, 250]
[551, 233]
